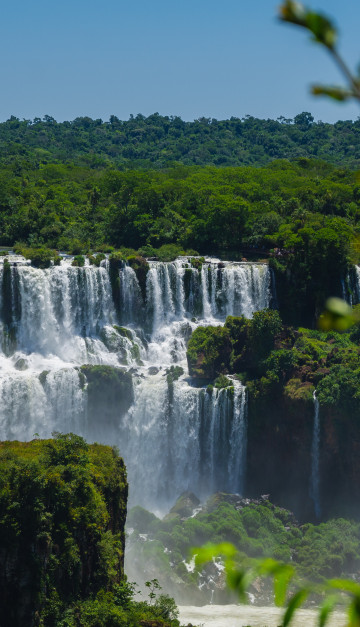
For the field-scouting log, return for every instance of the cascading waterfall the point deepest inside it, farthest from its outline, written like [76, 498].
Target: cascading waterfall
[199, 436]
[173, 436]
[177, 289]
[315, 460]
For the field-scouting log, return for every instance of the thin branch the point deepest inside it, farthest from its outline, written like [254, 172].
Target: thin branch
[345, 70]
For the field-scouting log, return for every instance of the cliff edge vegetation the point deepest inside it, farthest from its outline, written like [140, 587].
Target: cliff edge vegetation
[62, 517]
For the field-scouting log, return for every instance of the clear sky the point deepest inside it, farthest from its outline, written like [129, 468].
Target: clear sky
[190, 58]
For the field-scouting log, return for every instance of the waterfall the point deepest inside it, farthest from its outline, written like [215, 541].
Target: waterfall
[177, 290]
[173, 436]
[356, 295]
[51, 401]
[315, 459]
[199, 437]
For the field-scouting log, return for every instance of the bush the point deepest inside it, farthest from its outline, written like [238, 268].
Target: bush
[208, 352]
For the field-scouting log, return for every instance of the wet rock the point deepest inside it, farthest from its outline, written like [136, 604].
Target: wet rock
[184, 506]
[21, 364]
[153, 370]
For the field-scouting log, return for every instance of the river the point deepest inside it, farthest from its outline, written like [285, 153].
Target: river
[246, 615]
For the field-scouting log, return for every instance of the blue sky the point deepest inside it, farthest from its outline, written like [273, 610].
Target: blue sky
[178, 57]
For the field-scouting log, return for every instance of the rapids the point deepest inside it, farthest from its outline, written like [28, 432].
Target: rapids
[245, 615]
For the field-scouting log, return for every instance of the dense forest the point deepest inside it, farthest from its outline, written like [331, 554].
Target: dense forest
[158, 141]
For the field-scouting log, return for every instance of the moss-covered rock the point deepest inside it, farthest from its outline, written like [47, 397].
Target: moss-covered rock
[123, 331]
[299, 390]
[174, 373]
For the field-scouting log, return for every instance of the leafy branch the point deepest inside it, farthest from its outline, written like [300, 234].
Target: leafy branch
[323, 32]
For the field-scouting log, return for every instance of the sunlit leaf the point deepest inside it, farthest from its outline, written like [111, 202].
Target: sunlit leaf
[293, 12]
[326, 609]
[295, 602]
[337, 93]
[282, 579]
[346, 585]
[282, 574]
[239, 581]
[207, 552]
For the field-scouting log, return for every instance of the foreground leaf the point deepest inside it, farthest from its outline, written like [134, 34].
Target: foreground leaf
[295, 602]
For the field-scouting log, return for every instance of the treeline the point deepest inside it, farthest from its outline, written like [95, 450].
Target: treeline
[157, 141]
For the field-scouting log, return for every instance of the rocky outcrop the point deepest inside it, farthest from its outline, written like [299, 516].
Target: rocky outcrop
[279, 458]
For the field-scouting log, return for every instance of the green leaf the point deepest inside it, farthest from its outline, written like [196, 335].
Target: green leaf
[337, 316]
[282, 574]
[346, 585]
[240, 580]
[322, 29]
[326, 609]
[354, 613]
[282, 579]
[337, 93]
[295, 602]
[207, 552]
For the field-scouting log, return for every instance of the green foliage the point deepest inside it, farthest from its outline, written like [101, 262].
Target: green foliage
[263, 328]
[58, 513]
[209, 352]
[174, 373]
[324, 32]
[160, 141]
[303, 215]
[40, 257]
[78, 261]
[168, 252]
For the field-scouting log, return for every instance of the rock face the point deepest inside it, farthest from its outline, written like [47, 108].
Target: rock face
[279, 456]
[279, 452]
[62, 512]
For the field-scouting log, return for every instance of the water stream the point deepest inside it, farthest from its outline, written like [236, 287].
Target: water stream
[315, 460]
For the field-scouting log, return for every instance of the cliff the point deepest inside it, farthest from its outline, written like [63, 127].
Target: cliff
[62, 518]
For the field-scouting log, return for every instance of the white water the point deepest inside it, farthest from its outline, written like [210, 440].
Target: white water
[315, 460]
[245, 615]
[173, 438]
